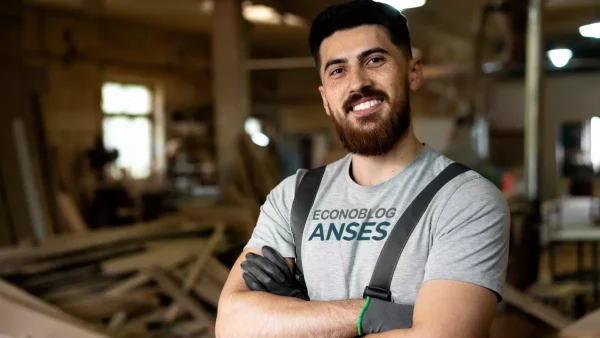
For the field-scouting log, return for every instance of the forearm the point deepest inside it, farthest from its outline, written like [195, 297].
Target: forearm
[259, 314]
[408, 333]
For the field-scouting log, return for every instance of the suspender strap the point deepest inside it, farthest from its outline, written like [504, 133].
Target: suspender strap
[303, 202]
[381, 280]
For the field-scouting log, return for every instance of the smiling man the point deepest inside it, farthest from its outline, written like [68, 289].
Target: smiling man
[454, 250]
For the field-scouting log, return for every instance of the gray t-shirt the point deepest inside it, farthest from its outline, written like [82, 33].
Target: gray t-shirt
[463, 235]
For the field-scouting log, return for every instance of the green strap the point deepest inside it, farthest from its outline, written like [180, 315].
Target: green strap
[360, 317]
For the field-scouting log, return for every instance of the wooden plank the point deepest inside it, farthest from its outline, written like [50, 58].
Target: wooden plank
[167, 255]
[188, 329]
[77, 291]
[130, 283]
[70, 214]
[529, 305]
[217, 271]
[140, 322]
[42, 283]
[92, 257]
[102, 306]
[216, 274]
[229, 214]
[196, 268]
[14, 293]
[18, 320]
[586, 327]
[189, 304]
[206, 288]
[57, 245]
[117, 320]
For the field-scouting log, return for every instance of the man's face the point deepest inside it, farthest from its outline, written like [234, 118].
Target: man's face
[366, 82]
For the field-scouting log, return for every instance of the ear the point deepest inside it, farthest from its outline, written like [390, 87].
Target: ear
[415, 74]
[325, 102]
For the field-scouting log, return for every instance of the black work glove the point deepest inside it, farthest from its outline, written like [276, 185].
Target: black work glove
[270, 273]
[382, 316]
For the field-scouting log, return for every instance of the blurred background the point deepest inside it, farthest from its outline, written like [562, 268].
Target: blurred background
[138, 139]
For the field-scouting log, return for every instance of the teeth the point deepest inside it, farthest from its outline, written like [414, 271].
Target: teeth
[366, 105]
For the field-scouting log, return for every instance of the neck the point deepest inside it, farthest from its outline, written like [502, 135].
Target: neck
[372, 170]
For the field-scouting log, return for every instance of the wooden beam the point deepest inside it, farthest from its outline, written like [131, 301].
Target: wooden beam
[14, 293]
[167, 256]
[195, 270]
[231, 89]
[70, 213]
[233, 215]
[206, 288]
[101, 306]
[92, 257]
[18, 320]
[174, 291]
[130, 283]
[54, 246]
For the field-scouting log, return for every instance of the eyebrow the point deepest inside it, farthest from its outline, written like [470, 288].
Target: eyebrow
[363, 55]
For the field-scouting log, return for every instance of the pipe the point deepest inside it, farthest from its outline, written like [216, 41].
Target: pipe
[534, 77]
[533, 98]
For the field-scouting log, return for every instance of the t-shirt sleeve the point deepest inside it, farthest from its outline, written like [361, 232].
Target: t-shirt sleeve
[471, 239]
[273, 225]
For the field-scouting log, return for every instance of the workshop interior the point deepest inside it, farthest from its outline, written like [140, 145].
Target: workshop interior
[139, 139]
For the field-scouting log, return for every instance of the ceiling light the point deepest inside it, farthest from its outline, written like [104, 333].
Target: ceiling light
[252, 126]
[293, 20]
[206, 6]
[260, 13]
[403, 4]
[260, 139]
[590, 31]
[560, 57]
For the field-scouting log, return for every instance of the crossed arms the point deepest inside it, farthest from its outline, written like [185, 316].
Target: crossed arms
[443, 308]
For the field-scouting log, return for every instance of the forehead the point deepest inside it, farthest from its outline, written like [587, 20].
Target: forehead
[351, 42]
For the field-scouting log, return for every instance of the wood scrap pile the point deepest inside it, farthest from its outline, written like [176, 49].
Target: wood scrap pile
[159, 279]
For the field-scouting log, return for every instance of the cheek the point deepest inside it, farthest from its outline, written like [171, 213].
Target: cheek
[335, 99]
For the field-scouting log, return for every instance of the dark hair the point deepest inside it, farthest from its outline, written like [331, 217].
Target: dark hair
[357, 13]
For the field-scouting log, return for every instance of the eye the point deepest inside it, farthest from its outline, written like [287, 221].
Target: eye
[336, 71]
[375, 60]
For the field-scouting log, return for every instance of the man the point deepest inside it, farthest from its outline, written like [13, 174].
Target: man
[453, 265]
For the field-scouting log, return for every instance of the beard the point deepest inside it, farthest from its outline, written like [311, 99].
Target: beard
[375, 134]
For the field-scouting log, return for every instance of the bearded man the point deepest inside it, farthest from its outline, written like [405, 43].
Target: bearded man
[393, 240]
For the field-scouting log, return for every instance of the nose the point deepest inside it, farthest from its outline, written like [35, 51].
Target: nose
[359, 80]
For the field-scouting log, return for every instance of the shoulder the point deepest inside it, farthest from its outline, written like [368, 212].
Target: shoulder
[469, 186]
[332, 170]
[468, 197]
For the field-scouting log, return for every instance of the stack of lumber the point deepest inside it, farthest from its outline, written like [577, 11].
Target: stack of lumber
[159, 279]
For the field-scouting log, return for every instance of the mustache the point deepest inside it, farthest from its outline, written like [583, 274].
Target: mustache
[364, 92]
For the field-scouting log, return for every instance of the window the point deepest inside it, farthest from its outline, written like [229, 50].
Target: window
[128, 126]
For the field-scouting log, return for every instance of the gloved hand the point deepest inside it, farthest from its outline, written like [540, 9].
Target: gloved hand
[382, 316]
[270, 273]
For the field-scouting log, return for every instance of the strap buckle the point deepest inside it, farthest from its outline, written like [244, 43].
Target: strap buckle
[377, 292]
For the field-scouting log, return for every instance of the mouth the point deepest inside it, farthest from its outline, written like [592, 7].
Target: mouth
[366, 106]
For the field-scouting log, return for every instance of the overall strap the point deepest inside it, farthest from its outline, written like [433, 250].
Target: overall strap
[381, 280]
[303, 202]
